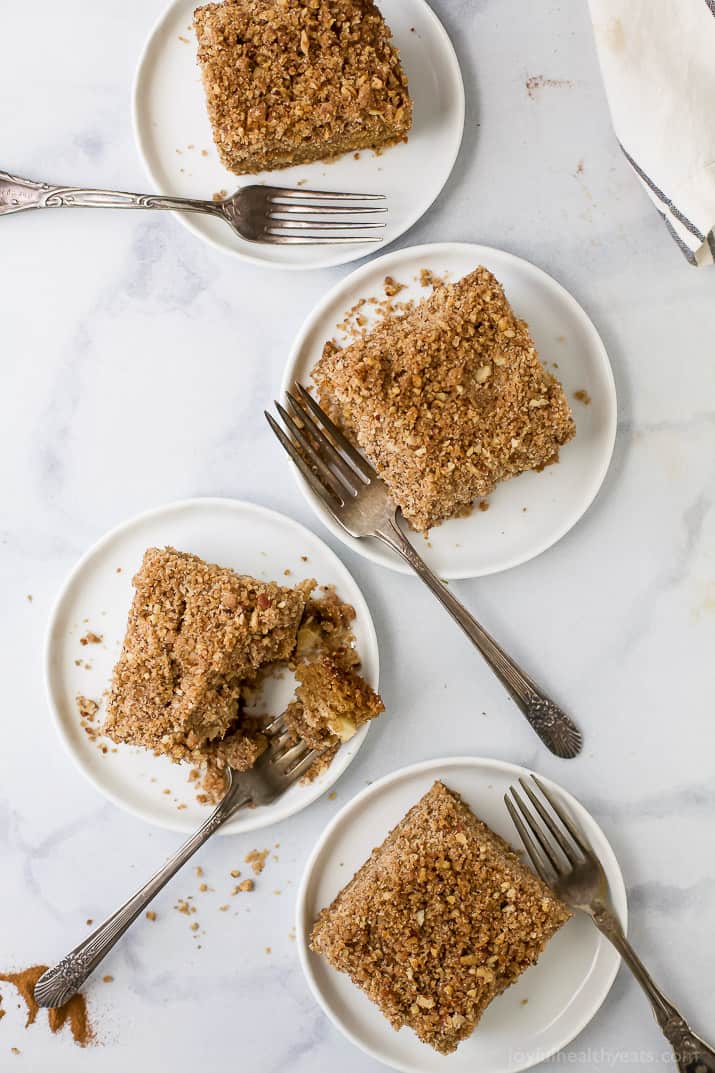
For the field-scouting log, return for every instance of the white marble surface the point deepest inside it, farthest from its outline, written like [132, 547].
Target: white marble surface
[135, 366]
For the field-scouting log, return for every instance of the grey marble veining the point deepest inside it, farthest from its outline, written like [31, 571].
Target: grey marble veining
[104, 316]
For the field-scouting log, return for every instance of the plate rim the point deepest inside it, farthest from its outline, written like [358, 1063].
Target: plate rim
[327, 261]
[375, 553]
[617, 889]
[247, 821]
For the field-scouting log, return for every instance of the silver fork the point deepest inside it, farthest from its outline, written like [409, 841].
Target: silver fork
[273, 214]
[282, 764]
[360, 502]
[561, 855]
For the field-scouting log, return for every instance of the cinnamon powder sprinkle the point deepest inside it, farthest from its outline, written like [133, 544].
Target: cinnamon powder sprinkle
[73, 1013]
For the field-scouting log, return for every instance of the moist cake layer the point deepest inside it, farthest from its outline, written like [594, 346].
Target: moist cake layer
[290, 81]
[333, 701]
[439, 920]
[447, 400]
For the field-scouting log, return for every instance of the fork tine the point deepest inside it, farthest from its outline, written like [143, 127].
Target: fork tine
[342, 442]
[288, 750]
[276, 724]
[539, 835]
[296, 240]
[320, 210]
[311, 477]
[302, 766]
[284, 738]
[529, 845]
[277, 226]
[312, 195]
[328, 451]
[341, 489]
[564, 817]
[563, 842]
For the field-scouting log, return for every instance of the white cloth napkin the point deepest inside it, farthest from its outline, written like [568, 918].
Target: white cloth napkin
[658, 63]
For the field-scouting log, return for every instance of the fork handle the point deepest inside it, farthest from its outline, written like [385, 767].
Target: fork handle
[557, 731]
[17, 194]
[692, 1054]
[60, 983]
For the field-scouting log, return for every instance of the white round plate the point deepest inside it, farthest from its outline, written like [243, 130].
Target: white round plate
[169, 114]
[564, 989]
[97, 597]
[528, 513]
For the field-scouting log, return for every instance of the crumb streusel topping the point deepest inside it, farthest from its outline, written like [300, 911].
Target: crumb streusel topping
[440, 919]
[290, 81]
[196, 634]
[200, 637]
[448, 399]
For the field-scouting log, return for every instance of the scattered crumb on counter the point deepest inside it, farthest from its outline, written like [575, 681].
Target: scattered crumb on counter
[107, 979]
[91, 638]
[150, 914]
[332, 795]
[484, 504]
[257, 860]
[219, 195]
[582, 396]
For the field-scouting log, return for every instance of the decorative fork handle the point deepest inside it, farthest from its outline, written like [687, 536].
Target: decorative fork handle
[557, 731]
[692, 1054]
[59, 984]
[18, 194]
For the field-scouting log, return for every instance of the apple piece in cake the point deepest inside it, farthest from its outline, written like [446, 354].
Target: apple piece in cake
[440, 919]
[447, 400]
[196, 634]
[333, 702]
[289, 82]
